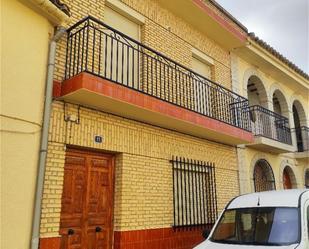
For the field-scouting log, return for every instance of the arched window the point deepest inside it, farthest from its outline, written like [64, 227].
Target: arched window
[307, 178]
[289, 179]
[280, 104]
[263, 176]
[299, 126]
[256, 92]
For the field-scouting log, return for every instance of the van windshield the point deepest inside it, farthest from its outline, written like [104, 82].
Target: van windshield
[258, 226]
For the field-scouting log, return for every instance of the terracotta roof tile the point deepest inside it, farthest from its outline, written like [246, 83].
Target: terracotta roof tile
[262, 43]
[275, 53]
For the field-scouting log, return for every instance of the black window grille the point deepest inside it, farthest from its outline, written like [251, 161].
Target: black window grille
[194, 193]
[263, 176]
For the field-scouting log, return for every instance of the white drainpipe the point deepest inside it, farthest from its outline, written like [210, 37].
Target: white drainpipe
[44, 138]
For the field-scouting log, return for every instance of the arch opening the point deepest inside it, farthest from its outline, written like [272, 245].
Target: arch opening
[289, 179]
[280, 105]
[300, 126]
[256, 92]
[307, 178]
[263, 176]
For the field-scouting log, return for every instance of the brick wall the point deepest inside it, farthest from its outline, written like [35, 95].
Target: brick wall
[51, 204]
[143, 189]
[143, 180]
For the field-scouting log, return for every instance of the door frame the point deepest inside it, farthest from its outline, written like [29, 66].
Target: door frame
[97, 152]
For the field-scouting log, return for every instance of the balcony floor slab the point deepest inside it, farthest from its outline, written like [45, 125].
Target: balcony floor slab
[93, 91]
[270, 145]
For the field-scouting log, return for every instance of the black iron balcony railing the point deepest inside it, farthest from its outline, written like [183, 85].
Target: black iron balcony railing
[270, 124]
[302, 138]
[97, 48]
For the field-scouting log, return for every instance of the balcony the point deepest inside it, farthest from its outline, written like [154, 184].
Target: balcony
[302, 140]
[108, 70]
[271, 130]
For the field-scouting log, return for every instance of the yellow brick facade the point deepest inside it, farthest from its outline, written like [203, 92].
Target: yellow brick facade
[143, 173]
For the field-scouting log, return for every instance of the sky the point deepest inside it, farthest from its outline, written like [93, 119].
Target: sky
[283, 24]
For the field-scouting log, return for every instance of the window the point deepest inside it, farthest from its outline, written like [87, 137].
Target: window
[258, 226]
[202, 92]
[194, 192]
[308, 219]
[121, 56]
[201, 67]
[122, 23]
[263, 176]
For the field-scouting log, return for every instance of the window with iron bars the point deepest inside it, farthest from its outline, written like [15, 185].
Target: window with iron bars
[194, 193]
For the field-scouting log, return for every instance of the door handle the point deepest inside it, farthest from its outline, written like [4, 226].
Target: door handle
[98, 229]
[70, 231]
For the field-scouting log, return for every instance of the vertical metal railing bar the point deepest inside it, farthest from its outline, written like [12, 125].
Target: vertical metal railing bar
[78, 50]
[187, 175]
[182, 88]
[87, 42]
[190, 189]
[93, 50]
[178, 199]
[174, 189]
[151, 75]
[66, 76]
[128, 65]
[200, 190]
[111, 59]
[133, 67]
[139, 67]
[204, 192]
[190, 92]
[74, 53]
[83, 47]
[100, 48]
[70, 53]
[211, 196]
[208, 192]
[156, 78]
[196, 194]
[105, 57]
[117, 59]
[164, 83]
[204, 91]
[213, 166]
[147, 72]
[175, 77]
[182, 191]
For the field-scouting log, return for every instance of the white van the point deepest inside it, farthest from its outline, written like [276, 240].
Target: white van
[264, 220]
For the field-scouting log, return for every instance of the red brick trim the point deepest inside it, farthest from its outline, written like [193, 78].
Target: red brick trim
[161, 238]
[56, 89]
[106, 88]
[50, 243]
[220, 20]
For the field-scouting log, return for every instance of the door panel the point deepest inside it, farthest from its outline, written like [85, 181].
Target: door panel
[287, 183]
[87, 201]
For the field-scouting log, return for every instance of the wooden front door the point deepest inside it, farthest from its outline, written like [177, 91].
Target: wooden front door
[87, 201]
